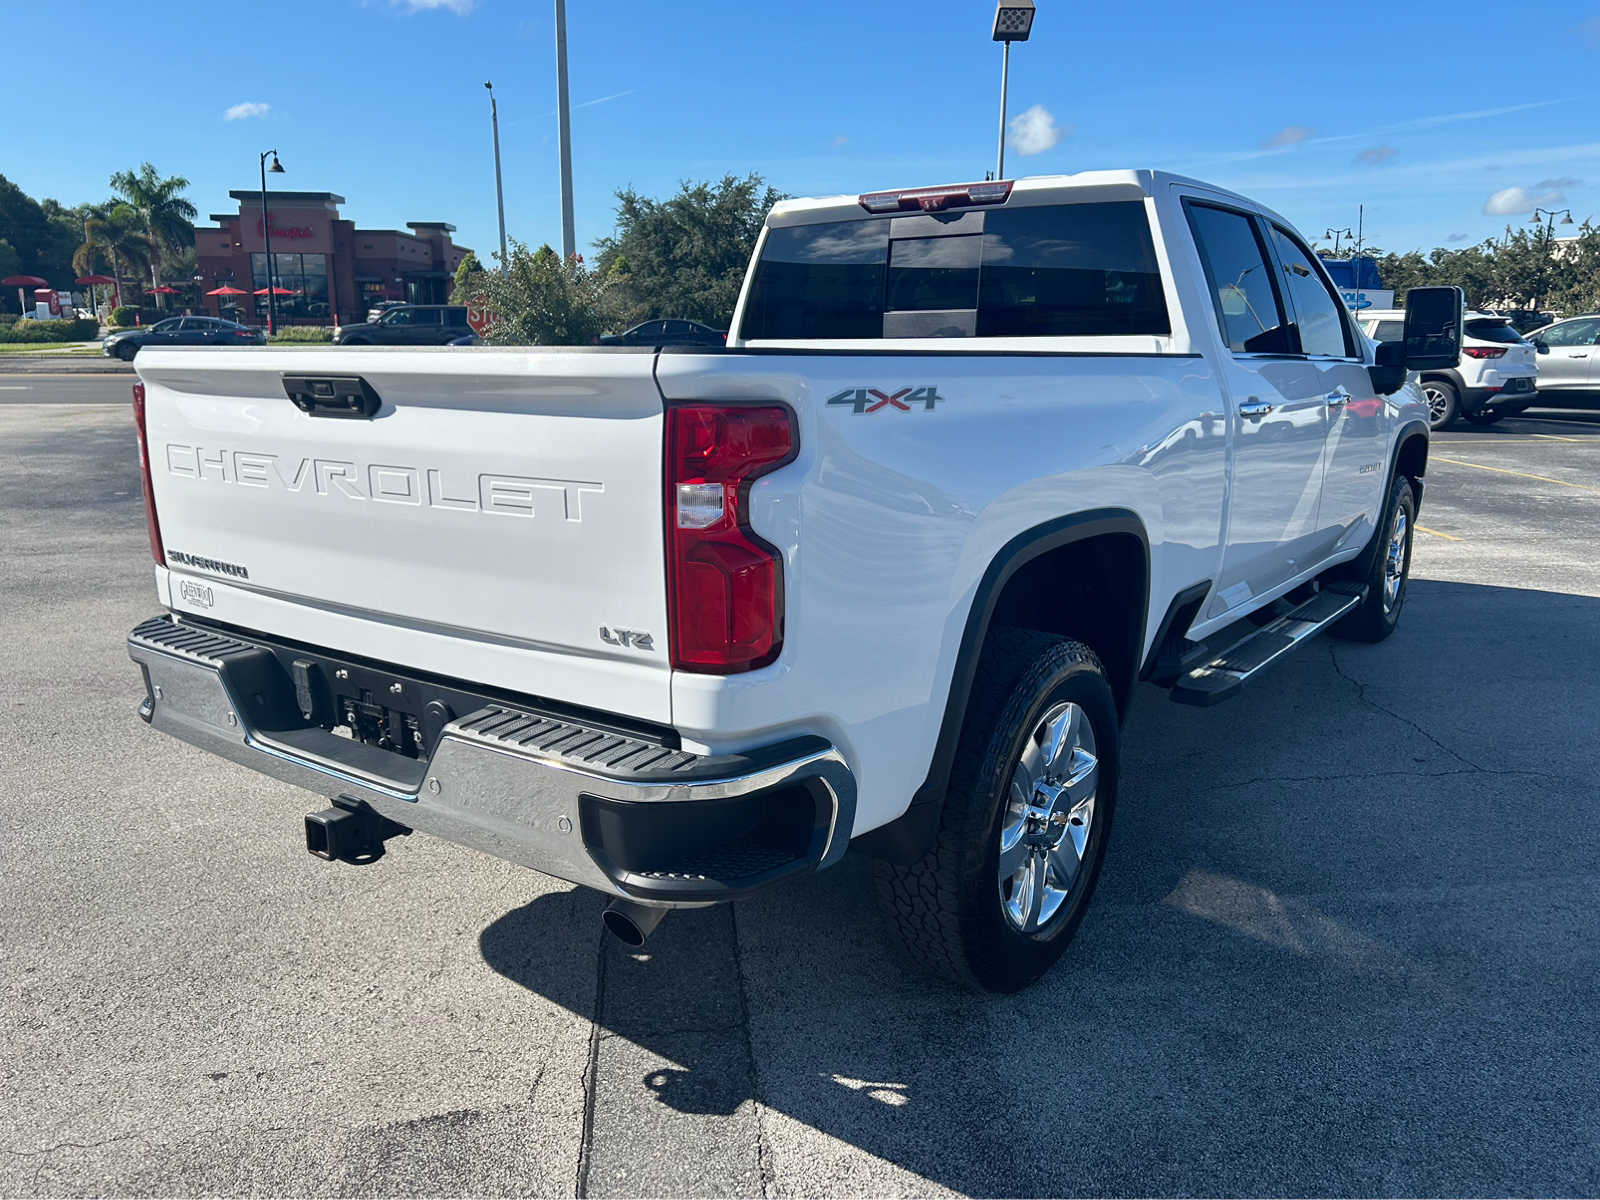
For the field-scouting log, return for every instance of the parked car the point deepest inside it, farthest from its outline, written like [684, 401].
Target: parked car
[667, 333]
[677, 626]
[1569, 360]
[381, 307]
[1498, 375]
[408, 325]
[182, 331]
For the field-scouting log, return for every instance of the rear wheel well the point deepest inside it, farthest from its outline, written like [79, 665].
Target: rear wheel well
[1093, 591]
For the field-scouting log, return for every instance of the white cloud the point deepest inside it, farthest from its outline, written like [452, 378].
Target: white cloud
[1513, 200]
[1456, 237]
[250, 108]
[460, 7]
[1035, 131]
[841, 140]
[1376, 156]
[1289, 135]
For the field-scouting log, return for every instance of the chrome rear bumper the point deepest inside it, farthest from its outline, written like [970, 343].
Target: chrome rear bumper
[622, 814]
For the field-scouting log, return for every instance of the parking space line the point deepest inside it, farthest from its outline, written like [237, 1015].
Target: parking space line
[1582, 487]
[1555, 437]
[1449, 537]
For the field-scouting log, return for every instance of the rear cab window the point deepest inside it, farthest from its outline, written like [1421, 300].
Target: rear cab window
[1049, 270]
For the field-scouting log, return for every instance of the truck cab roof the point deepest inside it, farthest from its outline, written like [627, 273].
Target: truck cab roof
[1080, 187]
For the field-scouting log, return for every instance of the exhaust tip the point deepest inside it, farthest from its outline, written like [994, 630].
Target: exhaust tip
[631, 923]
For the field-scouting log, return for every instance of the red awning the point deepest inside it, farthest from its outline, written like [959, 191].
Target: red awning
[89, 280]
[24, 281]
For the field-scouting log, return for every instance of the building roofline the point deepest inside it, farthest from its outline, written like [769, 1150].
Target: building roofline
[248, 194]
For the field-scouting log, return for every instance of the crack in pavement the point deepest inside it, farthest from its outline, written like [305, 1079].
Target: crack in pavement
[764, 1167]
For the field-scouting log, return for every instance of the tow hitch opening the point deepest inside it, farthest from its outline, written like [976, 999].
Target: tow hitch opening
[350, 832]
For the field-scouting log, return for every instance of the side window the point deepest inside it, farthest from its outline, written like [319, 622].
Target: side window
[427, 316]
[1317, 311]
[1238, 276]
[1389, 331]
[399, 316]
[1570, 333]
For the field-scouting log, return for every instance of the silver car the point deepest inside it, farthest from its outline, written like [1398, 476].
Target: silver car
[1569, 358]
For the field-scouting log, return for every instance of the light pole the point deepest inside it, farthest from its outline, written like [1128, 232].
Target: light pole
[569, 239]
[499, 192]
[266, 232]
[1336, 234]
[1013, 22]
[1539, 215]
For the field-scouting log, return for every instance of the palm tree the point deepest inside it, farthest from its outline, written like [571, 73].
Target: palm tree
[112, 229]
[164, 212]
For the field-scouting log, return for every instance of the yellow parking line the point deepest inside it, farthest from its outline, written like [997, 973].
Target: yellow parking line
[1582, 487]
[1449, 537]
[1552, 437]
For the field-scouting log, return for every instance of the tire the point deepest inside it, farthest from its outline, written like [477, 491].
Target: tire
[1484, 418]
[355, 341]
[956, 915]
[1377, 615]
[1443, 402]
[126, 351]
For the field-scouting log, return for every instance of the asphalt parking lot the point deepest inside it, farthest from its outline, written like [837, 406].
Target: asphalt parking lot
[1346, 941]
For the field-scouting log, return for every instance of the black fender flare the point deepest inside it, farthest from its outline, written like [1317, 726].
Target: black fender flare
[909, 836]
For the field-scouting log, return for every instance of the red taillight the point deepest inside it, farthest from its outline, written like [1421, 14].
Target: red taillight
[724, 584]
[1483, 351]
[150, 521]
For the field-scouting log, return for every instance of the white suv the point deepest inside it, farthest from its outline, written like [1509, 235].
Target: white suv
[1496, 377]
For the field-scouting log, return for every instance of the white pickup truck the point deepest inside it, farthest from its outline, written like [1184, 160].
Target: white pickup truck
[884, 571]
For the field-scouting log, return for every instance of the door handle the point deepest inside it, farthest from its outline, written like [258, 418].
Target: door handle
[1338, 398]
[1585, 354]
[1254, 409]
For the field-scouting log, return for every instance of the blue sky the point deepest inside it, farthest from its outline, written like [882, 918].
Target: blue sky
[1445, 123]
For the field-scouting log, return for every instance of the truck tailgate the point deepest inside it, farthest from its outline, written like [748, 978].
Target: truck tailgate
[498, 510]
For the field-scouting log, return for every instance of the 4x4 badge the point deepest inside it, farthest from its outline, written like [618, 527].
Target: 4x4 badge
[870, 400]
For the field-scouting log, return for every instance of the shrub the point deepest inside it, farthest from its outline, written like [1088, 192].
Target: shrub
[53, 331]
[303, 333]
[124, 314]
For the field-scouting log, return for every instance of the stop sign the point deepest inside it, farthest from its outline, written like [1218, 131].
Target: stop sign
[480, 317]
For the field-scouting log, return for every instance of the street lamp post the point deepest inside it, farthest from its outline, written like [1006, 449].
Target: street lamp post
[266, 232]
[499, 192]
[1336, 234]
[1013, 22]
[1539, 215]
[569, 239]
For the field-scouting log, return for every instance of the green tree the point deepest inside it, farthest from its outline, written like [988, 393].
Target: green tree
[112, 237]
[542, 301]
[467, 287]
[685, 256]
[165, 214]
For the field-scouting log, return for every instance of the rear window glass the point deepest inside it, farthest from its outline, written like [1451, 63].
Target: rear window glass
[1389, 331]
[1493, 331]
[1055, 270]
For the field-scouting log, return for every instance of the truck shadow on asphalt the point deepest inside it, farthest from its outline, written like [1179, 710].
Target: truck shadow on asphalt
[1345, 943]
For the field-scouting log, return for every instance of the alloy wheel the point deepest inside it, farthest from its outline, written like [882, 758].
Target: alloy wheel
[1049, 815]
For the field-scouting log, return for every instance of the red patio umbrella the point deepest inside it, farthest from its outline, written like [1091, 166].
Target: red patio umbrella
[225, 290]
[163, 290]
[277, 291]
[23, 281]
